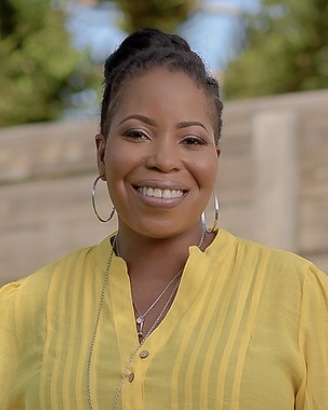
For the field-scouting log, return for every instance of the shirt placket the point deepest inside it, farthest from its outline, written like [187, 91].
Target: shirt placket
[133, 386]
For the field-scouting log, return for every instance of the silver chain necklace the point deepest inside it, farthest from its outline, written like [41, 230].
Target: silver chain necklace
[159, 317]
[133, 355]
[141, 318]
[94, 334]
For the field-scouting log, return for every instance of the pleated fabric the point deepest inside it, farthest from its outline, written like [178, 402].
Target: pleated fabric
[248, 330]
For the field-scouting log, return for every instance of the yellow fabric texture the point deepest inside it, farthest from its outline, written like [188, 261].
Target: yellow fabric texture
[248, 330]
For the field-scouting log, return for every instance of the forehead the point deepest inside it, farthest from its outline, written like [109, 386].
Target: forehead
[161, 92]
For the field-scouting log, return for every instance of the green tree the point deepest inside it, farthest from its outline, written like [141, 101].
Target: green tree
[165, 15]
[37, 61]
[285, 50]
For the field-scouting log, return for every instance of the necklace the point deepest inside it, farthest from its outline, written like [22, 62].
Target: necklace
[94, 334]
[140, 320]
[133, 355]
[95, 330]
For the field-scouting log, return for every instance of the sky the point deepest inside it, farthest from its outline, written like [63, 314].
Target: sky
[212, 35]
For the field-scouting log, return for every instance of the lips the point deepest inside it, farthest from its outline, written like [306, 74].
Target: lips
[160, 193]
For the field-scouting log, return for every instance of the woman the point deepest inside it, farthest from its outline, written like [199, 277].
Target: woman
[165, 313]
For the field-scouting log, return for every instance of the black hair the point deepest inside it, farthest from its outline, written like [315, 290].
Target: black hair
[150, 48]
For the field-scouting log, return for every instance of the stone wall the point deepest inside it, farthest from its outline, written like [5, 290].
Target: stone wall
[46, 171]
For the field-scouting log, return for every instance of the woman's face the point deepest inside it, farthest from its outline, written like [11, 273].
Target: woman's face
[159, 159]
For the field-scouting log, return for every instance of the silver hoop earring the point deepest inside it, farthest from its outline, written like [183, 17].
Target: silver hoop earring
[216, 214]
[93, 199]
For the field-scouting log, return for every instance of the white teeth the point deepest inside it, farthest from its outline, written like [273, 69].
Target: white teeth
[176, 194]
[157, 193]
[167, 193]
[160, 193]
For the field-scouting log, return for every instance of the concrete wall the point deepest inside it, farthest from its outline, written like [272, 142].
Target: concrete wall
[46, 172]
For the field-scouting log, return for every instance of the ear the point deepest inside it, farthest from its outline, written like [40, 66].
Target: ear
[100, 146]
[218, 152]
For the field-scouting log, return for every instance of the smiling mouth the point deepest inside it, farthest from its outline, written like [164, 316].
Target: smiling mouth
[160, 193]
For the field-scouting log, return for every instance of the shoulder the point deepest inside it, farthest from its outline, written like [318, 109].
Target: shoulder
[285, 284]
[275, 267]
[283, 263]
[28, 304]
[33, 290]
[40, 279]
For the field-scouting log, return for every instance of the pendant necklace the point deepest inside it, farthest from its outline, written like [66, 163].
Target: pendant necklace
[141, 318]
[139, 321]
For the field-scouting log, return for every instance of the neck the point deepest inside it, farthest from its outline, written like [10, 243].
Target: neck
[161, 258]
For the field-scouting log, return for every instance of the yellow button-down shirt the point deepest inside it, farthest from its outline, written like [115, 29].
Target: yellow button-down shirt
[248, 330]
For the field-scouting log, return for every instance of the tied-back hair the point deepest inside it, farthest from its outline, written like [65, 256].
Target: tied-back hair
[151, 48]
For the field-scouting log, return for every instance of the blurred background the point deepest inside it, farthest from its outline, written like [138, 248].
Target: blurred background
[271, 59]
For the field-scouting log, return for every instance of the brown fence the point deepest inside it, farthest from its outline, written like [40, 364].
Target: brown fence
[46, 171]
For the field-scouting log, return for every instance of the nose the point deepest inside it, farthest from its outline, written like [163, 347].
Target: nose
[164, 155]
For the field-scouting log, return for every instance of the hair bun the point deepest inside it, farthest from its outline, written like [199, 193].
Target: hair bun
[140, 41]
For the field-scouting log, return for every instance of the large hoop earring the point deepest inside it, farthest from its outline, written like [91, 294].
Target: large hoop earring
[216, 214]
[93, 200]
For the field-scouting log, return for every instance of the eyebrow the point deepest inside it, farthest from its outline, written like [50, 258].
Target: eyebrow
[149, 121]
[186, 124]
[141, 118]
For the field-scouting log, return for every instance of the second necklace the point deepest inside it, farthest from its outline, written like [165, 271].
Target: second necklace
[140, 319]
[141, 316]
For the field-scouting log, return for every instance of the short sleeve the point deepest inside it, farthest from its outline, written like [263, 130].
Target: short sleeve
[9, 339]
[313, 341]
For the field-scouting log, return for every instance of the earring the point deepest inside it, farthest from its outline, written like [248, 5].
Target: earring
[93, 199]
[216, 214]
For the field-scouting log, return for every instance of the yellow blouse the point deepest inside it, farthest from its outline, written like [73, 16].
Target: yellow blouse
[248, 330]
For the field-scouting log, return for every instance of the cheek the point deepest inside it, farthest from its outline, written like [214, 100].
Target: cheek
[206, 169]
[119, 162]
[114, 159]
[115, 174]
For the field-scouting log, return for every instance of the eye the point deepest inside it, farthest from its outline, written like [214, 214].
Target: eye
[193, 140]
[136, 134]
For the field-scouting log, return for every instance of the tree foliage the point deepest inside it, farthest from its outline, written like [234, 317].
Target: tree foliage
[285, 50]
[164, 15]
[37, 61]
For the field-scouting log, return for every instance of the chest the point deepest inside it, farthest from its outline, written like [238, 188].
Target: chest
[208, 355]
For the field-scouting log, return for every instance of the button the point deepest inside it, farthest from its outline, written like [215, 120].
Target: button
[144, 354]
[131, 377]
